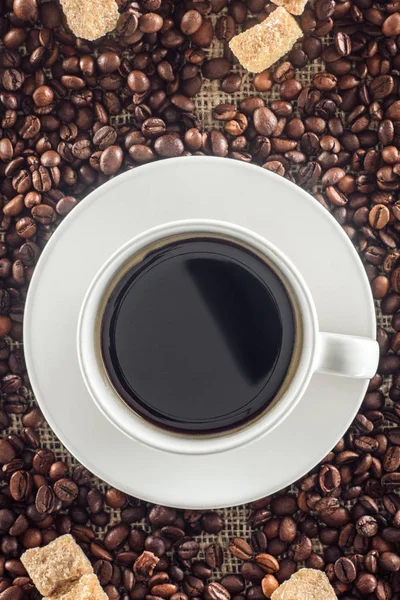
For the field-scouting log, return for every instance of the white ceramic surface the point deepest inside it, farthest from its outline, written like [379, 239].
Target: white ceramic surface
[150, 196]
[317, 351]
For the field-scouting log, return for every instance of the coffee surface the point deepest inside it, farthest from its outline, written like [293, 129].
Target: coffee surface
[198, 336]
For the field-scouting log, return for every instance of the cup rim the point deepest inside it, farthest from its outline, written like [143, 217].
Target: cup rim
[135, 426]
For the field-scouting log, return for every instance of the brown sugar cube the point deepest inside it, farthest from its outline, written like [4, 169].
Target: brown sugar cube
[296, 7]
[90, 19]
[56, 565]
[262, 45]
[87, 588]
[306, 584]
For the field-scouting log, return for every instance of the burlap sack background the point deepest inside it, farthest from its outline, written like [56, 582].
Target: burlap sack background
[235, 518]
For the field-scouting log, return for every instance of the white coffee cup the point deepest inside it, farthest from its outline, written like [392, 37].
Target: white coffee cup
[315, 351]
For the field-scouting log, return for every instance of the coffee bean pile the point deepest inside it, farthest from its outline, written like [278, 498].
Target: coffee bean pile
[60, 138]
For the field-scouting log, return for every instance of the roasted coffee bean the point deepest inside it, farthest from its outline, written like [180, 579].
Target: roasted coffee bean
[263, 81]
[224, 112]
[191, 22]
[11, 384]
[45, 501]
[267, 562]
[19, 526]
[100, 552]
[103, 570]
[6, 150]
[128, 580]
[366, 583]
[315, 561]
[95, 501]
[193, 586]
[155, 545]
[301, 548]
[65, 205]
[42, 461]
[286, 569]
[13, 79]
[342, 43]
[367, 526]
[252, 572]
[164, 590]
[105, 136]
[188, 549]
[225, 28]
[259, 541]
[215, 68]
[32, 538]
[168, 146]
[216, 591]
[284, 505]
[43, 214]
[116, 536]
[379, 216]
[233, 583]
[389, 364]
[276, 547]
[153, 127]
[241, 549]
[26, 10]
[16, 363]
[201, 570]
[115, 498]
[15, 404]
[111, 160]
[7, 518]
[30, 437]
[108, 62]
[20, 485]
[43, 96]
[65, 489]
[287, 530]
[214, 556]
[309, 174]
[391, 459]
[391, 26]
[138, 82]
[325, 82]
[390, 481]
[231, 83]
[141, 153]
[265, 121]
[389, 561]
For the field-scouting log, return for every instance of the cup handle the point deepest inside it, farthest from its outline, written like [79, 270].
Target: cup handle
[347, 355]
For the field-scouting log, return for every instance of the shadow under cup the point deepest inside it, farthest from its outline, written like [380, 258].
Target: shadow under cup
[199, 334]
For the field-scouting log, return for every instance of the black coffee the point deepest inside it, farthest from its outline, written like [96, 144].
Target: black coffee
[199, 336]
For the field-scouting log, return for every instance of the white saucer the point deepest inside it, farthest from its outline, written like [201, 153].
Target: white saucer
[170, 190]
